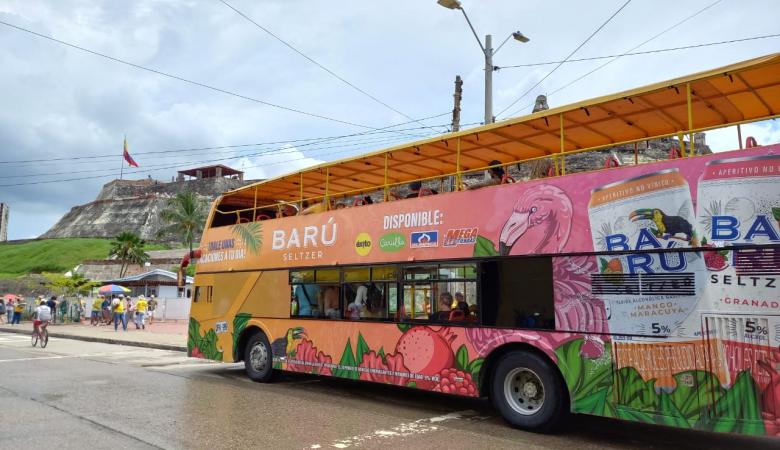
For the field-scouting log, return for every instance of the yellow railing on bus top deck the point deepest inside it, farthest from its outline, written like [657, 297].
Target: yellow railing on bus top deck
[733, 95]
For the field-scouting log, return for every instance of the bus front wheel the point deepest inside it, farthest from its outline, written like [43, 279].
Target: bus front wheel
[528, 392]
[258, 359]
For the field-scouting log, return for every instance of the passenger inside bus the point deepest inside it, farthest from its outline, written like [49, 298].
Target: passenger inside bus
[357, 307]
[330, 299]
[307, 298]
[495, 176]
[444, 308]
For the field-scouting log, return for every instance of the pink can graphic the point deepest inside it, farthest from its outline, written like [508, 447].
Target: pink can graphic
[649, 289]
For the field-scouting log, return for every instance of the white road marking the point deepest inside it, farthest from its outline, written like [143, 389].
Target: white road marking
[420, 426]
[38, 358]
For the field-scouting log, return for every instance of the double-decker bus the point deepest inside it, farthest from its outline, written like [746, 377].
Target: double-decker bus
[643, 292]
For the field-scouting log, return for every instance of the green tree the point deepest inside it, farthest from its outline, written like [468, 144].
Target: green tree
[128, 247]
[184, 216]
[69, 286]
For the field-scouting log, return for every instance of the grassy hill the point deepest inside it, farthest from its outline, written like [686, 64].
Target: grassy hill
[52, 255]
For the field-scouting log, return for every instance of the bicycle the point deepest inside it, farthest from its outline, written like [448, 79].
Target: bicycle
[41, 334]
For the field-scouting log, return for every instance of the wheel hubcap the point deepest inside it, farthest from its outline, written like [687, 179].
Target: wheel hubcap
[258, 357]
[524, 391]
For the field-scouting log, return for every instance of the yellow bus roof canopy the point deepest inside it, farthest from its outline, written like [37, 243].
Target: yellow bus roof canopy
[743, 92]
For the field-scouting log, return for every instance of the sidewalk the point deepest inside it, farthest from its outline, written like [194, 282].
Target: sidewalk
[170, 335]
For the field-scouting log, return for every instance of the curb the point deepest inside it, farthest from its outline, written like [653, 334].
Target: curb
[178, 348]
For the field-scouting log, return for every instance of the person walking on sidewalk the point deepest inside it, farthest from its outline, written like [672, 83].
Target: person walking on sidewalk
[152, 307]
[2, 310]
[119, 313]
[52, 303]
[106, 308]
[140, 312]
[18, 310]
[9, 311]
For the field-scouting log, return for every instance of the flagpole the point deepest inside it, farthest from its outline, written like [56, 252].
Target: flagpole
[122, 167]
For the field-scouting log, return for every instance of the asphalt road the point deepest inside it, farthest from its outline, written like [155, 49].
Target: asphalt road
[78, 395]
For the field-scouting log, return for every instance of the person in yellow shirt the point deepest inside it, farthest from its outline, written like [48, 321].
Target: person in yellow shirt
[140, 312]
[18, 310]
[119, 312]
[94, 318]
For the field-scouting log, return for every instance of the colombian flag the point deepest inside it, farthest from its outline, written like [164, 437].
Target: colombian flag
[128, 158]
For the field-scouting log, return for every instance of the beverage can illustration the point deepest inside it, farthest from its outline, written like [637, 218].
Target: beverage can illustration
[651, 290]
[739, 206]
[739, 201]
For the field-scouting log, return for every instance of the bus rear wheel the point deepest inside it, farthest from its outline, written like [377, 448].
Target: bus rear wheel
[528, 392]
[258, 359]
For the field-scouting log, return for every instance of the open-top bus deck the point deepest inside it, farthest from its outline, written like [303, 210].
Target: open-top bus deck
[643, 292]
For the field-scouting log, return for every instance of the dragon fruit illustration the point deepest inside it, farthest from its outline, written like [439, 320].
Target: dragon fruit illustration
[426, 352]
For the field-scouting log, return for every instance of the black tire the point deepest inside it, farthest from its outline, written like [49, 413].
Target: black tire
[44, 338]
[260, 369]
[34, 339]
[528, 392]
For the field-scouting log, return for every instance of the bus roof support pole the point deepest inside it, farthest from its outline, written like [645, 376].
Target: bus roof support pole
[690, 118]
[301, 185]
[739, 135]
[563, 158]
[457, 164]
[327, 188]
[254, 208]
[682, 144]
[636, 153]
[386, 188]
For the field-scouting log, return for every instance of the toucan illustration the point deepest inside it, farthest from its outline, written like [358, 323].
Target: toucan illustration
[666, 225]
[283, 346]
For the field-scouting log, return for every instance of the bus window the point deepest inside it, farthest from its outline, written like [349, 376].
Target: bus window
[305, 300]
[518, 293]
[440, 293]
[374, 299]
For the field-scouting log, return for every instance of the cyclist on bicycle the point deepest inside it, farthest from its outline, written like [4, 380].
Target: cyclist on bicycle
[41, 317]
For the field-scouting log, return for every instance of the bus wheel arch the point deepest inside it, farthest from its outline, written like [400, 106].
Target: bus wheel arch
[524, 360]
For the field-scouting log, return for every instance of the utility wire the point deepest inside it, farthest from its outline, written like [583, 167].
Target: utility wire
[660, 50]
[166, 168]
[316, 63]
[627, 51]
[281, 150]
[185, 80]
[184, 151]
[262, 152]
[565, 59]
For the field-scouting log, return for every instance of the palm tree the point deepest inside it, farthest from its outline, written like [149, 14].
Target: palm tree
[184, 216]
[129, 248]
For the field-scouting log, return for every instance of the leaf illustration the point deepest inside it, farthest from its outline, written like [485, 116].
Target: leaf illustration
[404, 327]
[635, 392]
[776, 213]
[739, 410]
[361, 349]
[193, 335]
[475, 367]
[484, 247]
[594, 403]
[251, 234]
[695, 390]
[462, 358]
[411, 384]
[381, 354]
[239, 324]
[670, 414]
[348, 360]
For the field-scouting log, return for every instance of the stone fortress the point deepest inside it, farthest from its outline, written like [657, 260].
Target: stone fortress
[135, 205]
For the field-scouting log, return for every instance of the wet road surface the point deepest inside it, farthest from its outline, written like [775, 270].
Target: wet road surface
[76, 394]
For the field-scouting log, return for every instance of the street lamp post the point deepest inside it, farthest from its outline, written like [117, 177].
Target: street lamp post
[488, 51]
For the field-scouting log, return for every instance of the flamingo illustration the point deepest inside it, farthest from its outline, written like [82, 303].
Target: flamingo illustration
[540, 222]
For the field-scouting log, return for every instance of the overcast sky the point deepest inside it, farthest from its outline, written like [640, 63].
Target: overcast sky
[60, 102]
